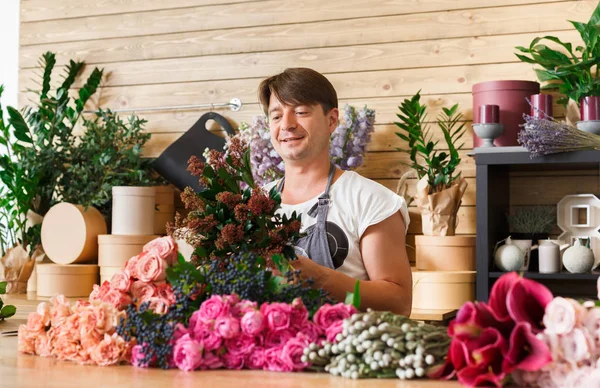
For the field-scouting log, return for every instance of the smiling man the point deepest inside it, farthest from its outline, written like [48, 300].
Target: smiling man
[355, 228]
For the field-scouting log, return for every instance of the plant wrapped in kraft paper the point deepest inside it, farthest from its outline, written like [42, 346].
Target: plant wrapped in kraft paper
[440, 188]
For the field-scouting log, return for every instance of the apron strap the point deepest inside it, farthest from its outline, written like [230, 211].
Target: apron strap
[323, 198]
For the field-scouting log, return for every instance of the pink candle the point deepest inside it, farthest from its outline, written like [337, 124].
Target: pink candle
[489, 114]
[590, 108]
[541, 106]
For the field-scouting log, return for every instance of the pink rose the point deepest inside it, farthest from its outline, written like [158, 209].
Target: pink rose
[311, 331]
[163, 247]
[274, 361]
[180, 331]
[292, 353]
[151, 268]
[233, 361]
[210, 361]
[157, 304]
[165, 292]
[577, 346]
[213, 308]
[276, 339]
[591, 322]
[328, 314]
[299, 313]
[187, 353]
[227, 327]
[333, 330]
[256, 359]
[208, 337]
[121, 281]
[559, 317]
[252, 322]
[98, 293]
[241, 345]
[240, 309]
[142, 291]
[131, 266]
[232, 300]
[117, 298]
[277, 315]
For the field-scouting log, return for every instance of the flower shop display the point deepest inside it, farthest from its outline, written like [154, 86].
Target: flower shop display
[379, 345]
[488, 127]
[70, 233]
[573, 72]
[347, 147]
[73, 280]
[133, 210]
[6, 311]
[511, 97]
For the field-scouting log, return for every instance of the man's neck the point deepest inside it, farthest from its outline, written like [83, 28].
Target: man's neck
[304, 181]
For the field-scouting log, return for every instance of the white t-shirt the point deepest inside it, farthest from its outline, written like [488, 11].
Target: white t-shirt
[356, 203]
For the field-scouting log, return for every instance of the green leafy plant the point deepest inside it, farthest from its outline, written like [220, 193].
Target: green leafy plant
[573, 73]
[532, 220]
[6, 311]
[108, 154]
[438, 166]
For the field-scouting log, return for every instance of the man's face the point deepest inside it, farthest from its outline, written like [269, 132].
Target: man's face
[300, 132]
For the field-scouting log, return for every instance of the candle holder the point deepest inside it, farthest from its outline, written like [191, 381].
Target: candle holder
[488, 132]
[590, 114]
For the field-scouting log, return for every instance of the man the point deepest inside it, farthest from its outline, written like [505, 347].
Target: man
[355, 227]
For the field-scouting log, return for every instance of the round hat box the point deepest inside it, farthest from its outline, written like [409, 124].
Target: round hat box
[70, 233]
[163, 215]
[133, 210]
[114, 250]
[165, 195]
[75, 280]
[106, 273]
[445, 253]
[442, 290]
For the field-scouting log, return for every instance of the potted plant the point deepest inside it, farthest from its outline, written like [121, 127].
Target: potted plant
[528, 224]
[440, 187]
[573, 72]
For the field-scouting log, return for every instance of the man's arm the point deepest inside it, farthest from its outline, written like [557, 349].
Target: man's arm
[383, 249]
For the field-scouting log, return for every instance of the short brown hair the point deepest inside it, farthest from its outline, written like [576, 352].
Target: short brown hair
[298, 86]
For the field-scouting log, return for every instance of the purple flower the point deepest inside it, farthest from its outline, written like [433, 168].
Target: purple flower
[349, 140]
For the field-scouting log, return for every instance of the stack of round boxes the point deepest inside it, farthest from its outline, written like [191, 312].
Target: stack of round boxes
[139, 216]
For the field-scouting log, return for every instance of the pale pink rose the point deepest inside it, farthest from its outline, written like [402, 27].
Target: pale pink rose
[553, 342]
[233, 361]
[108, 351]
[244, 306]
[576, 346]
[277, 315]
[299, 313]
[256, 359]
[187, 353]
[151, 268]
[333, 330]
[557, 375]
[107, 317]
[242, 345]
[274, 360]
[213, 308]
[43, 309]
[158, 305]
[210, 361]
[60, 310]
[35, 322]
[312, 332]
[121, 281]
[252, 322]
[328, 314]
[227, 327]
[591, 322]
[208, 337]
[165, 292]
[292, 352]
[142, 291]
[26, 340]
[276, 339]
[131, 266]
[163, 247]
[118, 299]
[99, 292]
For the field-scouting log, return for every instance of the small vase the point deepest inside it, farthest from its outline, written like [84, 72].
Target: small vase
[488, 132]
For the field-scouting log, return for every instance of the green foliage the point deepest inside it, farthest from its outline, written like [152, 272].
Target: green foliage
[108, 154]
[353, 298]
[573, 72]
[532, 219]
[8, 310]
[438, 166]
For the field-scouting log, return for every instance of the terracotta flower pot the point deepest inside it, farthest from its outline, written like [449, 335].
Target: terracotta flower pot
[70, 233]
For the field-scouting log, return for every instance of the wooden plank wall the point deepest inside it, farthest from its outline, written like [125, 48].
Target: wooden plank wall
[375, 52]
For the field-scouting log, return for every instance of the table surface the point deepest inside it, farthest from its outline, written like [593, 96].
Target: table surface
[22, 371]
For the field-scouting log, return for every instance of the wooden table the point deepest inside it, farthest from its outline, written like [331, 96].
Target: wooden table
[23, 371]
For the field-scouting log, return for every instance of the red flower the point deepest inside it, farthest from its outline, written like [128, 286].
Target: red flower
[527, 301]
[499, 294]
[473, 318]
[525, 351]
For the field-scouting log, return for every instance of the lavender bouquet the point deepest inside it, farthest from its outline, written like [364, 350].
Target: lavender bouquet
[544, 136]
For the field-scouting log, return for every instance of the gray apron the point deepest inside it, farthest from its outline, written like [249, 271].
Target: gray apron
[315, 244]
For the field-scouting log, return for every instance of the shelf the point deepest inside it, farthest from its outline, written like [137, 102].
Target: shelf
[554, 276]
